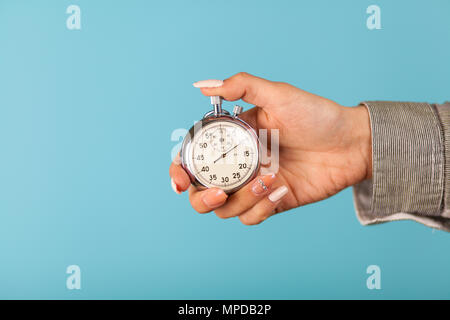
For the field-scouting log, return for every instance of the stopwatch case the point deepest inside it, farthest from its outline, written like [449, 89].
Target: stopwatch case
[209, 119]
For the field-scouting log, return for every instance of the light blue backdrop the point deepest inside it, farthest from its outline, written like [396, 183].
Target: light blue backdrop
[85, 137]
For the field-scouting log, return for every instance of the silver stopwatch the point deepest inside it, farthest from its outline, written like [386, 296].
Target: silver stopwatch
[221, 150]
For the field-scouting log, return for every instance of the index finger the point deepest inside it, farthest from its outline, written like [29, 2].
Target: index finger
[251, 89]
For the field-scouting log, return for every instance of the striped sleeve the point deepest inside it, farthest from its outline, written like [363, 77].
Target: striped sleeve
[410, 151]
[444, 116]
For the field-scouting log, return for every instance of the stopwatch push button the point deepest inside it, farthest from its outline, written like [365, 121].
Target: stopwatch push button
[237, 110]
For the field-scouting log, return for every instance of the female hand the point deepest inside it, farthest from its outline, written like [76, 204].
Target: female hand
[323, 148]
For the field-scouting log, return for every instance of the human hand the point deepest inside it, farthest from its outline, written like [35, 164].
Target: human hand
[323, 148]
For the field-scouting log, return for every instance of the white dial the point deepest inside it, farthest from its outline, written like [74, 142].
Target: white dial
[223, 154]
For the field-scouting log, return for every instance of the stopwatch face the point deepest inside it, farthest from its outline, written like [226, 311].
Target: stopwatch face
[223, 154]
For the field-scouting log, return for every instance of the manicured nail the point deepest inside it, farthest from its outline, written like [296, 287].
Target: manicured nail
[214, 198]
[208, 83]
[177, 159]
[174, 186]
[278, 194]
[263, 183]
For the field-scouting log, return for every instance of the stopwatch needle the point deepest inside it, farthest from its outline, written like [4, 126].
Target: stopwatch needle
[225, 154]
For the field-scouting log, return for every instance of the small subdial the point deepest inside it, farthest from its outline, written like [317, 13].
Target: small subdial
[221, 140]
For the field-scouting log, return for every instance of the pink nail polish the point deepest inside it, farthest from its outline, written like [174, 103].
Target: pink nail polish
[177, 159]
[278, 194]
[208, 83]
[263, 183]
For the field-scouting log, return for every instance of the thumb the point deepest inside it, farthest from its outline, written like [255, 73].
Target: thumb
[251, 89]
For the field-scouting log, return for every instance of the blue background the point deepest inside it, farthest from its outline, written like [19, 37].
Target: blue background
[86, 119]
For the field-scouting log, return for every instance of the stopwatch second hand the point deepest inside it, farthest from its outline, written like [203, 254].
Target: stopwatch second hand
[224, 154]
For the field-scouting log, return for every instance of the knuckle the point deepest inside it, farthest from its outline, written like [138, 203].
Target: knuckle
[201, 210]
[231, 209]
[222, 214]
[257, 216]
[249, 221]
[242, 75]
[261, 214]
[285, 86]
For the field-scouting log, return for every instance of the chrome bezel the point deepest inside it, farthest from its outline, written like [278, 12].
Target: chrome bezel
[208, 120]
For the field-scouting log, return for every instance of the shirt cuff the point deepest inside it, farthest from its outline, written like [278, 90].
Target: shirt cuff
[443, 111]
[408, 162]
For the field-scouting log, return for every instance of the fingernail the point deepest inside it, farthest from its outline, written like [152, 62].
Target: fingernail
[263, 183]
[208, 83]
[214, 198]
[174, 186]
[278, 194]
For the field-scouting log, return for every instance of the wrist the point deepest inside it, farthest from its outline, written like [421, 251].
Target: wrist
[362, 138]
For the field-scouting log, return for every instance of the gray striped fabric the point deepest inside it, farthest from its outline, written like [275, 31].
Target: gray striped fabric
[409, 143]
[444, 115]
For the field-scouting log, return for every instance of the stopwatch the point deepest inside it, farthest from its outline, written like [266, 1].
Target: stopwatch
[221, 150]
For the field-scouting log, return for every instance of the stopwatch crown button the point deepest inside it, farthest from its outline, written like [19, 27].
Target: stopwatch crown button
[216, 100]
[237, 110]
